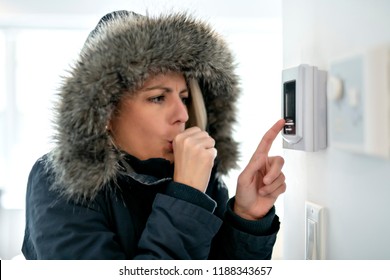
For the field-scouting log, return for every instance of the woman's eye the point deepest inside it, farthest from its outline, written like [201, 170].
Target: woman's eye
[185, 100]
[157, 99]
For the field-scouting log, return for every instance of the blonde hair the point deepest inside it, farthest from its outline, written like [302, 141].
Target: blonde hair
[196, 109]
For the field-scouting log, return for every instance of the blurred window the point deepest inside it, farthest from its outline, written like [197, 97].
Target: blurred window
[3, 101]
[32, 62]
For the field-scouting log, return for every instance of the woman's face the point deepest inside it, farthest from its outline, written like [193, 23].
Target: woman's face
[146, 123]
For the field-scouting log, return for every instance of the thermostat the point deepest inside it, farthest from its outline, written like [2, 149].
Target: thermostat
[304, 108]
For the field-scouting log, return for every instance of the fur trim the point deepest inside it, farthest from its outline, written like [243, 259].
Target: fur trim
[119, 55]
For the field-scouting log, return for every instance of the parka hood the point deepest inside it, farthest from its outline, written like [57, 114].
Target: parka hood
[117, 57]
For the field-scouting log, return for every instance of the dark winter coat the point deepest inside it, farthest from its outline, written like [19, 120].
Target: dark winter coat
[87, 200]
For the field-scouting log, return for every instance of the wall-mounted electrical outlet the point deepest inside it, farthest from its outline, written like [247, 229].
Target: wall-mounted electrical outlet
[314, 234]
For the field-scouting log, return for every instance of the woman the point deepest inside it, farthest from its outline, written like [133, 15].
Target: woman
[135, 172]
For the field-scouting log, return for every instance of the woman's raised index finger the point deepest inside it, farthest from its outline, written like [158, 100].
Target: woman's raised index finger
[269, 137]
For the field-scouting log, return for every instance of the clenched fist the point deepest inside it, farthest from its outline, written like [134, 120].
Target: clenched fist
[194, 155]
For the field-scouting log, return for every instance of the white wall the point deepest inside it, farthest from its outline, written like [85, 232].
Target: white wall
[355, 189]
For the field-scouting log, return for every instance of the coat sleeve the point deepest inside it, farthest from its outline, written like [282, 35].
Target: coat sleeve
[177, 229]
[239, 238]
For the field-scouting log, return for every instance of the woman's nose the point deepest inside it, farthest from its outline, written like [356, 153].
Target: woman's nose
[179, 111]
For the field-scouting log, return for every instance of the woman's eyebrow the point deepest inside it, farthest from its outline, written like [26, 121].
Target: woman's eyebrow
[161, 87]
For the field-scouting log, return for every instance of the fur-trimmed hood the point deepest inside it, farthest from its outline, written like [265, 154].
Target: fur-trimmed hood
[118, 56]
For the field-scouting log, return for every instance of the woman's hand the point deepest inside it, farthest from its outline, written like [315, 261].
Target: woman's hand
[194, 155]
[262, 181]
